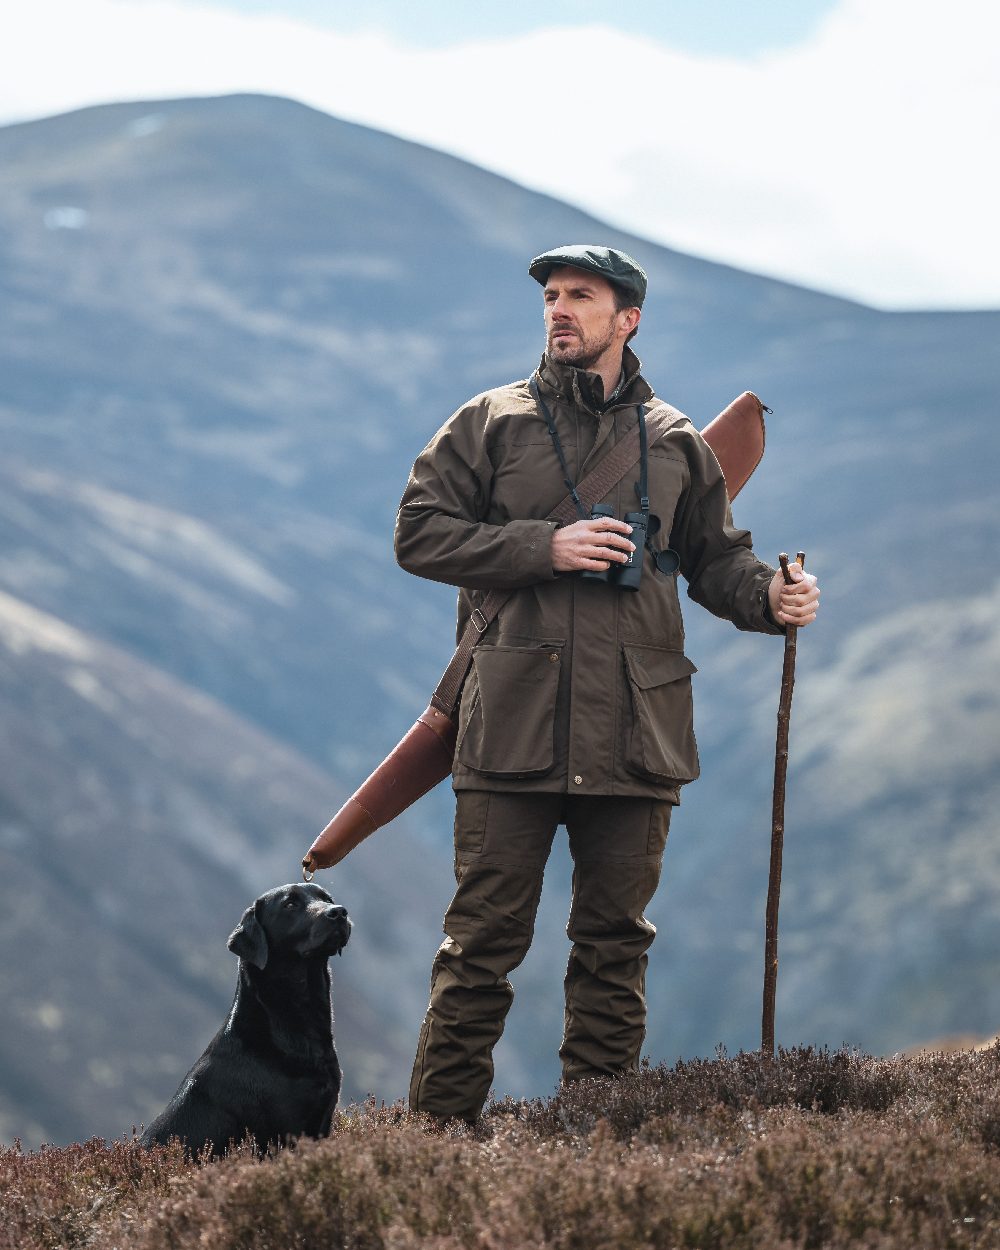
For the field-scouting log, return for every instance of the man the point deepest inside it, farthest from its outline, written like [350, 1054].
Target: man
[577, 709]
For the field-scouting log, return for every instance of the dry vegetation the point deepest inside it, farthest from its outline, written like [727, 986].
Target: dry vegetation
[818, 1149]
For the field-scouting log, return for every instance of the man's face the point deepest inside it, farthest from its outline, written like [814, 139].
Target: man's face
[581, 323]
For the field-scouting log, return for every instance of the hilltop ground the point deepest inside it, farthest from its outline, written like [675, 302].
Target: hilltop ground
[815, 1149]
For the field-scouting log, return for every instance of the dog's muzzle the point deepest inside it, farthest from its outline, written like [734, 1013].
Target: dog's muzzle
[340, 929]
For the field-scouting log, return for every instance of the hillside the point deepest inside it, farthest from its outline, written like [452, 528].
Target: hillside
[138, 818]
[228, 326]
[831, 1151]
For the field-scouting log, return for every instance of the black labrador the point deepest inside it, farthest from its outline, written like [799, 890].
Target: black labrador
[272, 1069]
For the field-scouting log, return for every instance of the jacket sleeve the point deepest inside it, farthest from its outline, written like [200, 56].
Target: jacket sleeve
[721, 570]
[441, 528]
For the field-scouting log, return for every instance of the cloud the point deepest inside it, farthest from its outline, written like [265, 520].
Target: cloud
[859, 161]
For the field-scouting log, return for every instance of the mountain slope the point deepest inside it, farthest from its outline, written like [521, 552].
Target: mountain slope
[227, 326]
[138, 818]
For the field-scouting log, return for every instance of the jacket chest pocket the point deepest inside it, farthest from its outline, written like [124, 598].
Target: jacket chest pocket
[527, 481]
[508, 710]
[659, 737]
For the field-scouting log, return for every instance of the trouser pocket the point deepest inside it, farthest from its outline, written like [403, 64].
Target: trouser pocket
[659, 735]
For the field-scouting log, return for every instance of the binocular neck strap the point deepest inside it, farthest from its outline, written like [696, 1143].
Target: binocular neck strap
[557, 443]
[641, 487]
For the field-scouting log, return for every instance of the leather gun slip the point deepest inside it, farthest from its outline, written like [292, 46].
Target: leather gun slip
[423, 758]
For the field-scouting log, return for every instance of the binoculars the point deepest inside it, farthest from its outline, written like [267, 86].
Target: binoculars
[625, 576]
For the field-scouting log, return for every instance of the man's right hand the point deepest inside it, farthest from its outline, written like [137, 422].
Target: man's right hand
[593, 545]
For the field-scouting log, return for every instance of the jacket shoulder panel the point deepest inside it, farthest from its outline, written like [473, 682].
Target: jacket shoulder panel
[683, 441]
[509, 415]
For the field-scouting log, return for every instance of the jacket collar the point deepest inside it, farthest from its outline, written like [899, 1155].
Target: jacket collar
[586, 390]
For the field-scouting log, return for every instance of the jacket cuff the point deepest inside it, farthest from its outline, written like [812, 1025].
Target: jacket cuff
[531, 550]
[766, 623]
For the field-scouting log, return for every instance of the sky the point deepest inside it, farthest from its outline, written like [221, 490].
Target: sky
[846, 145]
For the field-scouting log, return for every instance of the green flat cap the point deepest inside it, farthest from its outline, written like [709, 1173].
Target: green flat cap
[606, 262]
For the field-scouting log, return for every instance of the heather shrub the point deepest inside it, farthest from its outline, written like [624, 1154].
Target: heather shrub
[349, 1190]
[784, 1178]
[813, 1079]
[55, 1197]
[812, 1150]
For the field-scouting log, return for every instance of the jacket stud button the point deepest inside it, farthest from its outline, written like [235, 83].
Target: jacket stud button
[578, 780]
[553, 655]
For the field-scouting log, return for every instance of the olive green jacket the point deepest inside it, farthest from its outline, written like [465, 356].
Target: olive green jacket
[577, 686]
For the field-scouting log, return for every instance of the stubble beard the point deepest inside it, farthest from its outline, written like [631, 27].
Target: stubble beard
[580, 352]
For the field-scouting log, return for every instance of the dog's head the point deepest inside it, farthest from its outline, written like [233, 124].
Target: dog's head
[291, 922]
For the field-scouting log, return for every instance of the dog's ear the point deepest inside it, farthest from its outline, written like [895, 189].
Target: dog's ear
[248, 939]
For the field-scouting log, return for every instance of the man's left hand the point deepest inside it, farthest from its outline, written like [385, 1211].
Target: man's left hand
[797, 603]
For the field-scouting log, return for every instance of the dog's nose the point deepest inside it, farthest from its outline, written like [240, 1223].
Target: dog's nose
[336, 912]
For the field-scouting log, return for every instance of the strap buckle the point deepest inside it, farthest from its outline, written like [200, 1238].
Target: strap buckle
[485, 623]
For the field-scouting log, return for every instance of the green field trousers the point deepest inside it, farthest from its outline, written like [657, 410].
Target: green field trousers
[502, 841]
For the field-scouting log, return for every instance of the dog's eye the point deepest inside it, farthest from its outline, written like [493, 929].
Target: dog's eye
[291, 902]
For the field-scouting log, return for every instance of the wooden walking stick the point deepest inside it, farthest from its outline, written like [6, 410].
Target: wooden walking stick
[778, 825]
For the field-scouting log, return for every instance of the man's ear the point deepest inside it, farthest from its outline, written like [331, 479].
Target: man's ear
[248, 939]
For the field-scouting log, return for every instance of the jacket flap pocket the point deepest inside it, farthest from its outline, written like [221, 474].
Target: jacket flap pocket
[649, 666]
[511, 709]
[659, 736]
